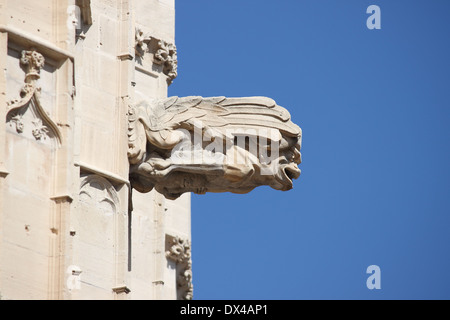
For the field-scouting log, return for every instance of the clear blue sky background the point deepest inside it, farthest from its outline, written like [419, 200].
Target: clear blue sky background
[374, 106]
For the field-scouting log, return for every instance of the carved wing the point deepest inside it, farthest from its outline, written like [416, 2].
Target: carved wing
[219, 112]
[162, 117]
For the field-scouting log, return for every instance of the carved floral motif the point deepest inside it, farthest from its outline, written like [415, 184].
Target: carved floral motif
[180, 252]
[17, 121]
[167, 56]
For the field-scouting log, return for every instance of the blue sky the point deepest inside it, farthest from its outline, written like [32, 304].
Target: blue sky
[374, 107]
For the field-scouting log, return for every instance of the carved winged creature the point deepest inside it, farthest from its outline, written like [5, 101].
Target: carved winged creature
[217, 144]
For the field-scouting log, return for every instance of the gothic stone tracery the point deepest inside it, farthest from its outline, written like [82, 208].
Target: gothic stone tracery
[26, 114]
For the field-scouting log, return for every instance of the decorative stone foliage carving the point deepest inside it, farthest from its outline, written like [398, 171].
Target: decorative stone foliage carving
[218, 144]
[140, 43]
[180, 252]
[40, 131]
[166, 55]
[34, 61]
[41, 125]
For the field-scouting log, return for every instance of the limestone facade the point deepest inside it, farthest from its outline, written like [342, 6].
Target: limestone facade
[70, 225]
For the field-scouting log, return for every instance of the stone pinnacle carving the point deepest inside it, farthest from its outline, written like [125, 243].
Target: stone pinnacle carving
[218, 144]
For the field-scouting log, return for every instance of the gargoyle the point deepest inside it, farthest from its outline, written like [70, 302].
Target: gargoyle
[217, 144]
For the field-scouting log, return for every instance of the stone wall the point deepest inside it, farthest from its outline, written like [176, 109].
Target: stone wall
[70, 225]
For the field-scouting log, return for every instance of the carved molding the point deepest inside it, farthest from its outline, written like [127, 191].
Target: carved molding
[165, 53]
[218, 144]
[110, 176]
[180, 252]
[42, 125]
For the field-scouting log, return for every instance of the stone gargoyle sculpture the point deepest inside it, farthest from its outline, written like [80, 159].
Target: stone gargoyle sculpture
[218, 144]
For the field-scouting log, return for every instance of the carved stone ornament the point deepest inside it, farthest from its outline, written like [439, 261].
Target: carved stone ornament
[180, 253]
[165, 53]
[43, 126]
[167, 56]
[98, 192]
[140, 42]
[217, 144]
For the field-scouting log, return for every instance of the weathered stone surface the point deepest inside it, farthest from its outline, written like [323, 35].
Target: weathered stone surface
[218, 144]
[70, 225]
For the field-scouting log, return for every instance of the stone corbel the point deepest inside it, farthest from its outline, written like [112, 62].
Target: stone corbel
[166, 55]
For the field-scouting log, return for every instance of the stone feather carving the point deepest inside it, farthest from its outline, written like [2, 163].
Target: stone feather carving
[217, 144]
